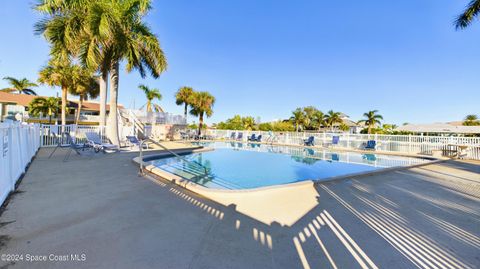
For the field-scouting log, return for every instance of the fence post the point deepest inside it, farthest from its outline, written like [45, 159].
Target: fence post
[348, 140]
[324, 138]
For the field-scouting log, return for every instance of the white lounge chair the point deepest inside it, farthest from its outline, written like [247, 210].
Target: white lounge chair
[95, 141]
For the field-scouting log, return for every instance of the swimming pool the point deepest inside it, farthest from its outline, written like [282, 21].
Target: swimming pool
[233, 165]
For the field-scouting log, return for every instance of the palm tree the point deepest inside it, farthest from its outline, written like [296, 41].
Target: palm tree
[86, 87]
[344, 127]
[371, 119]
[151, 94]
[183, 97]
[471, 120]
[319, 119]
[20, 86]
[332, 118]
[248, 123]
[102, 34]
[46, 106]
[202, 104]
[298, 118]
[470, 13]
[64, 75]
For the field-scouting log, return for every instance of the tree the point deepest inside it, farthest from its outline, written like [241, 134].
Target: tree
[319, 119]
[469, 14]
[151, 94]
[20, 86]
[202, 104]
[46, 106]
[332, 118]
[86, 87]
[64, 74]
[344, 127]
[471, 120]
[298, 119]
[371, 119]
[248, 123]
[102, 34]
[183, 97]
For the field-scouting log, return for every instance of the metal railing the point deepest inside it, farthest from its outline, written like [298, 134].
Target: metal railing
[141, 172]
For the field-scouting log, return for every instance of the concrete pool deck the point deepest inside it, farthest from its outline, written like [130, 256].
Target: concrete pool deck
[96, 205]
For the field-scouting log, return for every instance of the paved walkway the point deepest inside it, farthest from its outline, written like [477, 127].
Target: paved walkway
[98, 208]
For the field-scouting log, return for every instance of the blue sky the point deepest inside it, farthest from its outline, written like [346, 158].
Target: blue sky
[265, 58]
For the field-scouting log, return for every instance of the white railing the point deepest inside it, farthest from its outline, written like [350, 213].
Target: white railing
[18, 145]
[411, 144]
[49, 134]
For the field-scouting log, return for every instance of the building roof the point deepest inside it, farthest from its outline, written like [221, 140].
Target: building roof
[25, 99]
[439, 128]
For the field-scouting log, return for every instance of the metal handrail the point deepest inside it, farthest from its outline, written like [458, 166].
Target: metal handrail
[169, 151]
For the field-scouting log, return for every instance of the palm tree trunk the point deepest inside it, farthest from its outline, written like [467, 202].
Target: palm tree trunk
[149, 106]
[200, 124]
[112, 123]
[64, 107]
[186, 108]
[103, 97]
[79, 109]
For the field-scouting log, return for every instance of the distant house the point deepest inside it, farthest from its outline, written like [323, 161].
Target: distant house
[448, 128]
[12, 104]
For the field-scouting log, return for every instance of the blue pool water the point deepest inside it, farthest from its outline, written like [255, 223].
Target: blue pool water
[244, 165]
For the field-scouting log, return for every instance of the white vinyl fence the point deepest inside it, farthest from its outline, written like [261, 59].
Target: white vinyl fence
[18, 145]
[411, 144]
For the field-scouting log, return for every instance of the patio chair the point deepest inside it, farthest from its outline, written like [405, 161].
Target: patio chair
[240, 136]
[134, 141]
[371, 145]
[369, 157]
[252, 138]
[259, 138]
[94, 140]
[233, 135]
[73, 146]
[309, 141]
[335, 140]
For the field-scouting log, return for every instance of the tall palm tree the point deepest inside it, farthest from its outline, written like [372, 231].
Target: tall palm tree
[20, 86]
[151, 94]
[103, 33]
[183, 97]
[64, 74]
[469, 14]
[202, 104]
[332, 118]
[371, 119]
[298, 118]
[46, 106]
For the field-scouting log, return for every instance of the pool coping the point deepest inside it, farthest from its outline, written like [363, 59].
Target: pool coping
[197, 188]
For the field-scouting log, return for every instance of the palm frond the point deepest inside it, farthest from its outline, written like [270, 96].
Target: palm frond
[471, 12]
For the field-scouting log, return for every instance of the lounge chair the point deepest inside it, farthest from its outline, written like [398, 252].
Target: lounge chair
[371, 145]
[252, 138]
[94, 140]
[240, 136]
[133, 141]
[310, 141]
[259, 138]
[335, 140]
[369, 157]
[73, 146]
[233, 135]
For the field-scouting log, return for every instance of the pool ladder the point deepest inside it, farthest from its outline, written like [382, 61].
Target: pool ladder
[142, 173]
